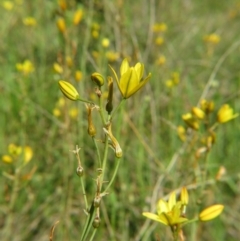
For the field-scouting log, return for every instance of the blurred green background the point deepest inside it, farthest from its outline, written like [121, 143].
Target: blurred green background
[197, 43]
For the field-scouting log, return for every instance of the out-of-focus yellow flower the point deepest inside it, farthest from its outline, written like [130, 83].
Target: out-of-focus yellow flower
[184, 196]
[159, 27]
[112, 56]
[62, 4]
[225, 114]
[207, 106]
[69, 61]
[8, 5]
[176, 77]
[161, 60]
[56, 112]
[26, 67]
[105, 42]
[61, 102]
[7, 159]
[159, 41]
[58, 68]
[28, 154]
[168, 213]
[130, 78]
[14, 150]
[73, 113]
[212, 38]
[198, 113]
[68, 90]
[181, 133]
[190, 121]
[78, 75]
[211, 212]
[19, 2]
[95, 34]
[95, 54]
[29, 21]
[169, 83]
[61, 25]
[78, 15]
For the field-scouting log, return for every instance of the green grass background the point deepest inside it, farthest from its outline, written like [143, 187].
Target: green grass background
[144, 127]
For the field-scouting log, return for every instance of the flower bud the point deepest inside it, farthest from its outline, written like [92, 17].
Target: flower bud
[61, 25]
[211, 212]
[98, 79]
[225, 114]
[68, 90]
[190, 121]
[198, 113]
[184, 196]
[77, 16]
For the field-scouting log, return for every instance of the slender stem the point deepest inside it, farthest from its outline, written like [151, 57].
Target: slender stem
[105, 155]
[93, 234]
[84, 193]
[114, 175]
[98, 152]
[117, 108]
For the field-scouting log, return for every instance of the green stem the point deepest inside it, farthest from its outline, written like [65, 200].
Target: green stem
[114, 175]
[93, 234]
[117, 108]
[84, 193]
[98, 152]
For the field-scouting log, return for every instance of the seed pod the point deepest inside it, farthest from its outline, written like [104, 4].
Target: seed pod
[96, 222]
[80, 171]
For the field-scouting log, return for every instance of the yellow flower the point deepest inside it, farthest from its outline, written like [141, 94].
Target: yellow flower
[190, 121]
[62, 4]
[28, 154]
[198, 113]
[211, 212]
[78, 75]
[130, 78]
[105, 42]
[112, 56]
[159, 27]
[57, 68]
[61, 25]
[212, 38]
[95, 33]
[159, 41]
[14, 150]
[26, 67]
[168, 213]
[8, 5]
[56, 112]
[68, 90]
[161, 60]
[29, 21]
[73, 113]
[181, 133]
[7, 159]
[207, 106]
[225, 114]
[77, 16]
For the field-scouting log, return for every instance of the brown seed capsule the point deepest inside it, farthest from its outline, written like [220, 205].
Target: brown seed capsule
[80, 171]
[96, 222]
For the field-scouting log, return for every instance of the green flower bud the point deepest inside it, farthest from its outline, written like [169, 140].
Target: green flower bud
[98, 79]
[68, 90]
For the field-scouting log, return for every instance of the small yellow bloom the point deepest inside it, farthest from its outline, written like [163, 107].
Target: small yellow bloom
[181, 133]
[112, 56]
[169, 83]
[168, 213]
[61, 102]
[160, 27]
[212, 38]
[7, 159]
[68, 90]
[198, 113]
[184, 196]
[69, 61]
[161, 60]
[211, 212]
[62, 4]
[56, 112]
[207, 106]
[225, 114]
[28, 154]
[95, 33]
[26, 67]
[14, 150]
[61, 25]
[73, 113]
[29, 21]
[8, 5]
[58, 68]
[105, 42]
[130, 78]
[159, 41]
[78, 15]
[190, 121]
[78, 75]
